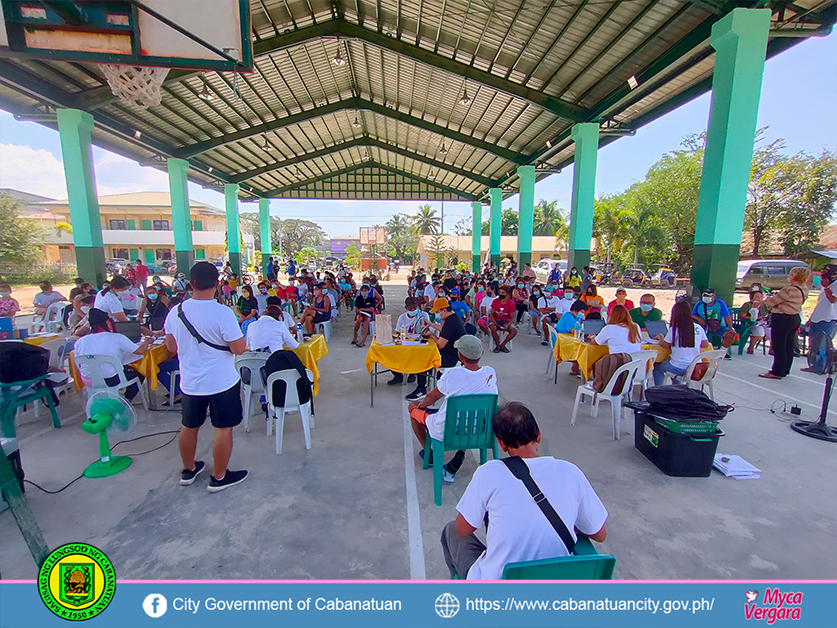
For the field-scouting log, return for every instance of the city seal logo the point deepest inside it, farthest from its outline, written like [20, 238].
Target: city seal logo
[76, 581]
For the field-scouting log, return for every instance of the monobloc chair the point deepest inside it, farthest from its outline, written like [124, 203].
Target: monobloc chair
[57, 350]
[644, 375]
[96, 362]
[248, 365]
[584, 564]
[630, 370]
[51, 320]
[325, 328]
[18, 394]
[467, 426]
[550, 359]
[276, 408]
[713, 360]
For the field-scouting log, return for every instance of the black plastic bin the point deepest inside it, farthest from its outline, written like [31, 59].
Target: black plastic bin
[680, 455]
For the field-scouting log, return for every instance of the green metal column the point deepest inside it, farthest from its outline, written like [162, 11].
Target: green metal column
[740, 42]
[74, 128]
[181, 214]
[476, 236]
[496, 225]
[264, 229]
[526, 216]
[233, 229]
[586, 138]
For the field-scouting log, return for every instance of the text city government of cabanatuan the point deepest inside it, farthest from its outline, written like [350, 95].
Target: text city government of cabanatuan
[303, 604]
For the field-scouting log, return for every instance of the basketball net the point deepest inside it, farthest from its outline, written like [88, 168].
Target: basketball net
[135, 86]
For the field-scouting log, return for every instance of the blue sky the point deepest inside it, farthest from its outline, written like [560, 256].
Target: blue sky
[798, 103]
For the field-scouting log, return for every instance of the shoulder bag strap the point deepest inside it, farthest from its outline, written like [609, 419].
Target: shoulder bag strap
[190, 328]
[521, 472]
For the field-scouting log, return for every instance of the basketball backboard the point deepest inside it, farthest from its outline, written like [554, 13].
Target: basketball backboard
[187, 34]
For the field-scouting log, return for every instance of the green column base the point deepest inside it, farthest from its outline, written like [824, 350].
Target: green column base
[475, 263]
[90, 263]
[715, 266]
[523, 259]
[185, 260]
[235, 263]
[265, 259]
[578, 258]
[495, 259]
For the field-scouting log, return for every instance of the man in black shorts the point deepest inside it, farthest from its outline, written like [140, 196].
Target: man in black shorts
[206, 337]
[451, 330]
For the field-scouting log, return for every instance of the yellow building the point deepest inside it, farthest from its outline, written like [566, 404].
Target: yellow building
[459, 247]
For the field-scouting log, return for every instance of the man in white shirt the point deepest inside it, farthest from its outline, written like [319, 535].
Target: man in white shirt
[468, 379]
[206, 337]
[270, 332]
[518, 530]
[548, 306]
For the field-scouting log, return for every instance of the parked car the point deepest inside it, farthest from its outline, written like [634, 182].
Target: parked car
[756, 274]
[636, 278]
[664, 278]
[544, 268]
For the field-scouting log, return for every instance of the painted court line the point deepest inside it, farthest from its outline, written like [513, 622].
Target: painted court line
[778, 394]
[417, 569]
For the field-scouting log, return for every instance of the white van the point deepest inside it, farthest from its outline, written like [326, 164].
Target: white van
[755, 274]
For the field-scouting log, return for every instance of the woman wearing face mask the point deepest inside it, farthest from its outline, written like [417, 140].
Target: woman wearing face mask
[83, 290]
[364, 313]
[573, 278]
[247, 308]
[520, 296]
[319, 311]
[8, 306]
[108, 300]
[82, 328]
[594, 302]
[154, 309]
[534, 312]
[261, 296]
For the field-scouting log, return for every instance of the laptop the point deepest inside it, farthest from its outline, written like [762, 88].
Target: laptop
[130, 329]
[656, 327]
[592, 326]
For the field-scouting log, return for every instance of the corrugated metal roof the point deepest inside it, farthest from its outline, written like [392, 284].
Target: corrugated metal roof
[529, 69]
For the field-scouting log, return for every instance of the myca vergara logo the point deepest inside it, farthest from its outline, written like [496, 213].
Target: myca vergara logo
[775, 606]
[76, 581]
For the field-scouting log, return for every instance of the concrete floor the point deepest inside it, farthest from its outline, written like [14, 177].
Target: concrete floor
[359, 506]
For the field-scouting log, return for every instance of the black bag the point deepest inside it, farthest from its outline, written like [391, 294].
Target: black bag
[280, 361]
[681, 403]
[713, 325]
[20, 362]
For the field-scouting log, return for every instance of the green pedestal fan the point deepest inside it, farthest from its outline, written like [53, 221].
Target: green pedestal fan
[108, 411]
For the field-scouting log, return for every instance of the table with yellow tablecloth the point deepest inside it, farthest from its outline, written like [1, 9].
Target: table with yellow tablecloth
[39, 340]
[406, 358]
[309, 353]
[148, 365]
[568, 348]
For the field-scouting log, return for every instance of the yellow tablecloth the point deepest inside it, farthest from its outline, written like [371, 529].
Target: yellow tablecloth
[147, 365]
[39, 340]
[309, 353]
[569, 349]
[404, 358]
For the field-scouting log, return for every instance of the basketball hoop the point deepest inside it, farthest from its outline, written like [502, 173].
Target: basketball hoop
[135, 86]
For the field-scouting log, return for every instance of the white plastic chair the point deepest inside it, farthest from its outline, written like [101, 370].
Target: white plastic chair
[51, 320]
[291, 404]
[500, 335]
[96, 362]
[714, 358]
[252, 361]
[324, 328]
[631, 369]
[553, 338]
[649, 356]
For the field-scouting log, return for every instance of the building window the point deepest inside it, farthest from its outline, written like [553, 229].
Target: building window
[163, 254]
[120, 253]
[117, 225]
[161, 225]
[200, 254]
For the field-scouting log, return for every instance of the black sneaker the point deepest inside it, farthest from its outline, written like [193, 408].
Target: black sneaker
[187, 477]
[231, 478]
[411, 378]
[396, 380]
[417, 394]
[430, 461]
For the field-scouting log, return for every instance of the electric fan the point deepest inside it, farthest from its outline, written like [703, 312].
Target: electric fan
[107, 411]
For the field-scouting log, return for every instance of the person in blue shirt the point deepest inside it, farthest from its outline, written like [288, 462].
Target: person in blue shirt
[570, 320]
[712, 314]
[292, 269]
[462, 309]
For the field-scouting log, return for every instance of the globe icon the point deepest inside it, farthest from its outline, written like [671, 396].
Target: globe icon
[447, 605]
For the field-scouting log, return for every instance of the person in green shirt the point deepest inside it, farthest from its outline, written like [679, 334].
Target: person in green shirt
[646, 311]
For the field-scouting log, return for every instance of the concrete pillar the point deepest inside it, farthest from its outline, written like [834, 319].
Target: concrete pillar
[264, 230]
[233, 228]
[181, 214]
[586, 138]
[526, 216]
[496, 225]
[740, 43]
[476, 236]
[74, 128]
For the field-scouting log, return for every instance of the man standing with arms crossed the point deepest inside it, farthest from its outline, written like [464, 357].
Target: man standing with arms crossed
[206, 337]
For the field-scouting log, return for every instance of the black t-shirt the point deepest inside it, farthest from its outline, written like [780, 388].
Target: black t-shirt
[452, 330]
[364, 301]
[450, 283]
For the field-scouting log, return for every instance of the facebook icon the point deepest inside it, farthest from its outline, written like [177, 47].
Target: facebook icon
[155, 605]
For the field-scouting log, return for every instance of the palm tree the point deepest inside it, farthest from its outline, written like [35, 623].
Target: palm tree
[549, 218]
[398, 226]
[641, 231]
[609, 225]
[426, 222]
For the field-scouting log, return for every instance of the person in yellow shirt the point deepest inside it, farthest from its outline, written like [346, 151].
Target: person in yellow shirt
[573, 278]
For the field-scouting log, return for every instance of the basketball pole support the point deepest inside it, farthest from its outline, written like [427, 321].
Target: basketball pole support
[24, 517]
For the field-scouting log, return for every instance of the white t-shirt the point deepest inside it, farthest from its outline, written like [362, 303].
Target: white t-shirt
[109, 303]
[131, 299]
[45, 300]
[553, 302]
[203, 370]
[824, 310]
[105, 343]
[518, 530]
[485, 305]
[617, 340]
[412, 325]
[681, 357]
[564, 306]
[460, 381]
[270, 333]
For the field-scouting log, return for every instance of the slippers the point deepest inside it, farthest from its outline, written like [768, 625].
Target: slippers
[769, 376]
[167, 404]
[354, 342]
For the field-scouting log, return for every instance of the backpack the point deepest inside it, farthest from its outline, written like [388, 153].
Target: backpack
[681, 403]
[20, 362]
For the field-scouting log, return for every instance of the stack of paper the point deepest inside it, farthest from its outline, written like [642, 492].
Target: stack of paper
[736, 467]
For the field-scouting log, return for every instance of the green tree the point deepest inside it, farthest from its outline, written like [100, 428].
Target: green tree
[426, 222]
[299, 234]
[463, 227]
[765, 192]
[509, 222]
[250, 225]
[352, 255]
[437, 247]
[401, 240]
[20, 243]
[304, 254]
[608, 228]
[549, 218]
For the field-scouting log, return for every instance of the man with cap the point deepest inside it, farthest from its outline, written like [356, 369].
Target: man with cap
[450, 330]
[467, 379]
[823, 319]
[712, 314]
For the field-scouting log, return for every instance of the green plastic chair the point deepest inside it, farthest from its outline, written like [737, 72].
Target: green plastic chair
[467, 426]
[585, 564]
[27, 392]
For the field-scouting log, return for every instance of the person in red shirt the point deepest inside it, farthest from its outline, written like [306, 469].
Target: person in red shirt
[621, 299]
[141, 274]
[500, 318]
[291, 294]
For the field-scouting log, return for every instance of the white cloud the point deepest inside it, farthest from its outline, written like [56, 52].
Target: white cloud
[36, 171]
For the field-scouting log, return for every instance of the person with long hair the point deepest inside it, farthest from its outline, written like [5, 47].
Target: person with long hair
[785, 307]
[685, 338]
[247, 308]
[594, 302]
[621, 334]
[109, 298]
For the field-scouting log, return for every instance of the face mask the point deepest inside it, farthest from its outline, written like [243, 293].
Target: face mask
[420, 293]
[152, 296]
[707, 300]
[547, 293]
[479, 288]
[263, 291]
[364, 294]
[646, 307]
[85, 309]
[536, 293]
[414, 313]
[575, 272]
[520, 286]
[569, 297]
[3, 295]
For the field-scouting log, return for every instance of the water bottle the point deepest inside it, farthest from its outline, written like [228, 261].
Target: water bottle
[299, 332]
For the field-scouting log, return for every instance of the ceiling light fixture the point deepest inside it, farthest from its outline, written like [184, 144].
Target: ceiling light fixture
[338, 60]
[465, 100]
[137, 134]
[443, 150]
[266, 145]
[205, 93]
[356, 123]
[432, 175]
[298, 174]
[210, 169]
[548, 144]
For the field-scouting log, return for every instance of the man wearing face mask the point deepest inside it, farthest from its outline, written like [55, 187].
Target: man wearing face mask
[547, 306]
[413, 322]
[364, 313]
[646, 311]
[108, 300]
[712, 314]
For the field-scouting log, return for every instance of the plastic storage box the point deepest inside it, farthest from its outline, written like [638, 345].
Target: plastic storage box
[680, 455]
